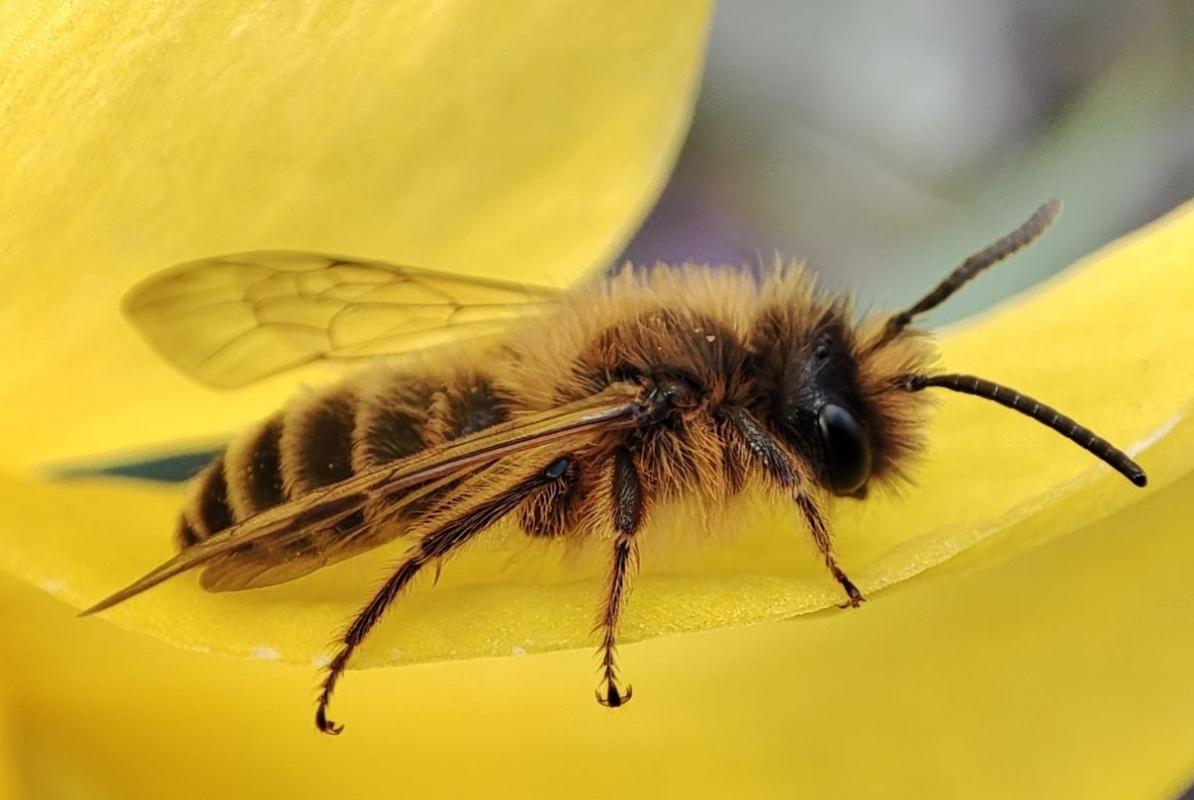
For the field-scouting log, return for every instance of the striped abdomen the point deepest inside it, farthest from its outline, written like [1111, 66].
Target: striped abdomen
[328, 437]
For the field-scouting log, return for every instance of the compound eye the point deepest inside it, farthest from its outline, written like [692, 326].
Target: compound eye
[847, 450]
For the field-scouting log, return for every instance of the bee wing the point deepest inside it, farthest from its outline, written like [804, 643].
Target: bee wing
[231, 320]
[288, 555]
[252, 568]
[291, 557]
[568, 427]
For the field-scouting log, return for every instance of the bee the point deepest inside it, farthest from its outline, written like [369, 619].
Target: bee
[573, 412]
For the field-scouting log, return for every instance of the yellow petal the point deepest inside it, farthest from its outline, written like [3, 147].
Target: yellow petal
[990, 478]
[459, 135]
[1061, 673]
[9, 778]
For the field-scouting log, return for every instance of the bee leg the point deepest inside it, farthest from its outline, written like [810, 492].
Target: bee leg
[627, 507]
[431, 548]
[761, 448]
[820, 532]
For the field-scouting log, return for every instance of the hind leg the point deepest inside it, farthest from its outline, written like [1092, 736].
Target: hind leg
[626, 506]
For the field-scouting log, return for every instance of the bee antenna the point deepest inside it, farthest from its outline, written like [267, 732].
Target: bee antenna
[1028, 232]
[1030, 407]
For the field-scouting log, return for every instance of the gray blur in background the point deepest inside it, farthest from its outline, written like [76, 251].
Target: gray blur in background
[884, 143]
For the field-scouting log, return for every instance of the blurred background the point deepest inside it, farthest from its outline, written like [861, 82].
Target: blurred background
[883, 143]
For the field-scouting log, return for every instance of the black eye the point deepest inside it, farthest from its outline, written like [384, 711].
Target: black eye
[847, 450]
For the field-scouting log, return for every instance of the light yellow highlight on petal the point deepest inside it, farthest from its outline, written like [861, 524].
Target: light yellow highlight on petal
[990, 479]
[516, 141]
[1061, 673]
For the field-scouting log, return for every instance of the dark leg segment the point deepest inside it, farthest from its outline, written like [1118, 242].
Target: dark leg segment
[774, 461]
[431, 548]
[627, 507]
[820, 531]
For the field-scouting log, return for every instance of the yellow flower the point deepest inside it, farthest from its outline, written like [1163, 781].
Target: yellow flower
[461, 135]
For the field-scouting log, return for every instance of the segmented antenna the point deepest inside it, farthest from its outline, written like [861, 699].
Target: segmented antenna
[1050, 417]
[1022, 236]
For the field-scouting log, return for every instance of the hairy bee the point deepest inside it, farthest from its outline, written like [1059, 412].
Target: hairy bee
[575, 412]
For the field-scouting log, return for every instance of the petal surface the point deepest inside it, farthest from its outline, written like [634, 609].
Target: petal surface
[1059, 673]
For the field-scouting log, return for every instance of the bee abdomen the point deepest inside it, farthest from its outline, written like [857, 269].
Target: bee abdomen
[326, 439]
[209, 510]
[316, 448]
[316, 442]
[308, 446]
[186, 535]
[392, 423]
[403, 416]
[255, 481]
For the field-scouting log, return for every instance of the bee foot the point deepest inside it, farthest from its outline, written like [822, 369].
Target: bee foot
[855, 598]
[326, 725]
[613, 697]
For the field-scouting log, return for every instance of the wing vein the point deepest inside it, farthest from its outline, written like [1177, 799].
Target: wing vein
[201, 315]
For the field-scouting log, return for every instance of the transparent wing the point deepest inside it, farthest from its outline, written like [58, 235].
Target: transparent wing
[288, 555]
[317, 513]
[231, 320]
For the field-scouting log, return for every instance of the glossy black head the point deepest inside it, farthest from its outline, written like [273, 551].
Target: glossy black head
[819, 408]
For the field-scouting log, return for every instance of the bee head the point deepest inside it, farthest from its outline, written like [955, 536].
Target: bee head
[836, 402]
[848, 396]
[819, 408]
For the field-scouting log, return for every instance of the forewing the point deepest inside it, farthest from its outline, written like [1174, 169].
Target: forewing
[391, 487]
[231, 320]
[292, 554]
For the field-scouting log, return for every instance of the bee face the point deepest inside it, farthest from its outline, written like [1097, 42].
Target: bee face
[831, 393]
[815, 403]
